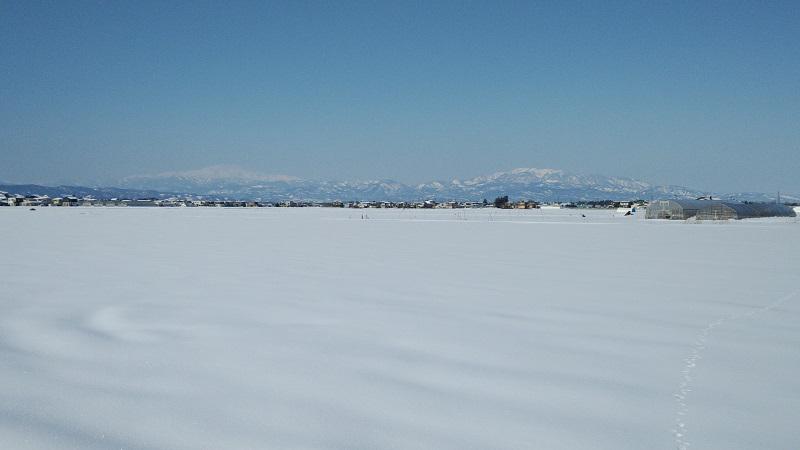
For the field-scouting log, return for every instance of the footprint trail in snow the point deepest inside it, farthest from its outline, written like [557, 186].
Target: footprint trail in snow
[685, 387]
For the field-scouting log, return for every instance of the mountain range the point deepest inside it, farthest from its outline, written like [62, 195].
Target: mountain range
[100, 193]
[545, 185]
[523, 183]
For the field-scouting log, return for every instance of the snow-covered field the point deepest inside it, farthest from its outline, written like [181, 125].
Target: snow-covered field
[202, 328]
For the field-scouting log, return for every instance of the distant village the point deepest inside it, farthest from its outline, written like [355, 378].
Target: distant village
[703, 208]
[34, 201]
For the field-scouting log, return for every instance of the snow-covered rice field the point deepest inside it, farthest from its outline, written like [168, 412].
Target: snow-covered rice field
[211, 328]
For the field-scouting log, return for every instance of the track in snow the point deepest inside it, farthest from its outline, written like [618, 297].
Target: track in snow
[685, 387]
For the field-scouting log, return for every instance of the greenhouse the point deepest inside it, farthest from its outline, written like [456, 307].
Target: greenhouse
[714, 210]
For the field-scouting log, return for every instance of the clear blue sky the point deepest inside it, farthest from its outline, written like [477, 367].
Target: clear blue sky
[699, 93]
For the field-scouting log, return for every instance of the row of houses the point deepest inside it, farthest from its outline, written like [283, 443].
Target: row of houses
[521, 204]
[34, 201]
[7, 199]
[662, 209]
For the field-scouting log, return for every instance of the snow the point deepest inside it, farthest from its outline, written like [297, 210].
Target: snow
[192, 328]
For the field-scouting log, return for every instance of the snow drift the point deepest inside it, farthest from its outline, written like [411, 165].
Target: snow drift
[192, 328]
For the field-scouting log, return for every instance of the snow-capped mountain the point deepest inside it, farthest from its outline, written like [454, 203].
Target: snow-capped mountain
[551, 185]
[760, 197]
[522, 183]
[230, 182]
[99, 193]
[209, 179]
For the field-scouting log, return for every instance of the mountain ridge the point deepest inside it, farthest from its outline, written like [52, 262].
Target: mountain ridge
[99, 193]
[529, 183]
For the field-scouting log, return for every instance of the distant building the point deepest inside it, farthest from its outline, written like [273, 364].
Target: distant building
[526, 205]
[141, 202]
[14, 200]
[66, 201]
[714, 210]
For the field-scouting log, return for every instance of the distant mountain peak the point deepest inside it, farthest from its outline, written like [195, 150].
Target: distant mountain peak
[535, 171]
[222, 172]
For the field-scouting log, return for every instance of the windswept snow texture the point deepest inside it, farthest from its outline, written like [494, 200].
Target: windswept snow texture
[211, 328]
